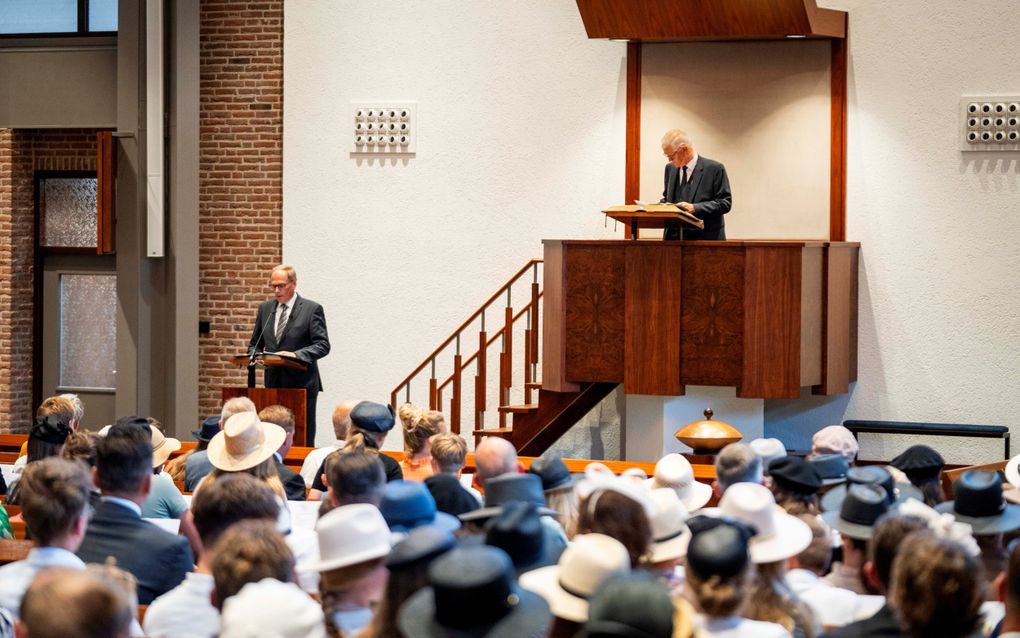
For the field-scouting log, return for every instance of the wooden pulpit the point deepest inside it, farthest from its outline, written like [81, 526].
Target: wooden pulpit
[293, 398]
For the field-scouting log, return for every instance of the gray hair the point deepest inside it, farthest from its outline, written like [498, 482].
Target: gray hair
[674, 139]
[79, 407]
[737, 463]
[234, 406]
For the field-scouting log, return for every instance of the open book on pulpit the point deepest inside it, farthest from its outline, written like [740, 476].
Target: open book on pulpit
[642, 215]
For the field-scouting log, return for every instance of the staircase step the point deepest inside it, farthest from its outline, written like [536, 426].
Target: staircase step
[500, 432]
[533, 385]
[524, 408]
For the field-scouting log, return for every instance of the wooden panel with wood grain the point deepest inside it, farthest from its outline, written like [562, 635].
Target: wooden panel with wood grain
[766, 317]
[771, 359]
[652, 319]
[293, 398]
[594, 296]
[712, 314]
[692, 20]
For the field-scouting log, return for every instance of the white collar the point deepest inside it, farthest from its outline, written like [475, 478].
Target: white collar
[690, 165]
[289, 305]
[53, 557]
[123, 502]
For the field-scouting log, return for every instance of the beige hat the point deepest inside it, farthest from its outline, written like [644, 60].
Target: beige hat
[675, 472]
[779, 535]
[670, 535]
[270, 608]
[244, 442]
[768, 450]
[350, 535]
[589, 561]
[835, 439]
[162, 447]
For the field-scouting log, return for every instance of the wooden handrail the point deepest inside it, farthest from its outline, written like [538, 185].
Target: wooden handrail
[461, 328]
[488, 343]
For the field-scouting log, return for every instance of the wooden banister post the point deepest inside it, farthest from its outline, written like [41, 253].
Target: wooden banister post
[483, 342]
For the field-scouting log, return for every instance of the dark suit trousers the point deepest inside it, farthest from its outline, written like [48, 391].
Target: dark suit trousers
[717, 234]
[311, 397]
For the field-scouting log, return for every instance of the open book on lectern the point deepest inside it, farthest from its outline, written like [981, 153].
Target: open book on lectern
[642, 207]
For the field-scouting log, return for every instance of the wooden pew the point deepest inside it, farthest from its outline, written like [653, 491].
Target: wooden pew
[15, 550]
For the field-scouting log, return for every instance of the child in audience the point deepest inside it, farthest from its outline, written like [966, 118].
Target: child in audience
[448, 453]
[249, 552]
[419, 426]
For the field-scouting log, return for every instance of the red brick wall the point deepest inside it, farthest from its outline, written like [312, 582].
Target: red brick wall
[240, 179]
[22, 152]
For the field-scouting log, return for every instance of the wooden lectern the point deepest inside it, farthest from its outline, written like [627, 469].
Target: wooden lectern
[651, 216]
[293, 398]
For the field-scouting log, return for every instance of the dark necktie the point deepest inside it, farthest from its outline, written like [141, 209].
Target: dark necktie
[281, 323]
[683, 187]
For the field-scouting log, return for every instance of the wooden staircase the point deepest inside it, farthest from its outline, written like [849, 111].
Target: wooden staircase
[528, 416]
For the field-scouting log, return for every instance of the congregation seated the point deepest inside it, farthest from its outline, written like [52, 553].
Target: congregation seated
[644, 556]
[341, 430]
[197, 464]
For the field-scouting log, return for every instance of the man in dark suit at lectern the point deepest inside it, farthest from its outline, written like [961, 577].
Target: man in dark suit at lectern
[292, 326]
[697, 185]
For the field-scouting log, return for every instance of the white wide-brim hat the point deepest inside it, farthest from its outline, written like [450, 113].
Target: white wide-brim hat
[350, 535]
[589, 561]
[778, 534]
[670, 535]
[675, 472]
[244, 442]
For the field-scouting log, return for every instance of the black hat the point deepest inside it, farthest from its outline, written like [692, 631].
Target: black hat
[502, 489]
[519, 532]
[630, 606]
[831, 467]
[450, 495]
[133, 420]
[977, 501]
[862, 507]
[718, 550]
[50, 429]
[210, 428]
[553, 472]
[795, 474]
[373, 417]
[919, 463]
[874, 474]
[472, 593]
[420, 546]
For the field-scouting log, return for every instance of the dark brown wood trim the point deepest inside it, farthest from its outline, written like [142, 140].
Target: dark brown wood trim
[632, 161]
[105, 181]
[837, 157]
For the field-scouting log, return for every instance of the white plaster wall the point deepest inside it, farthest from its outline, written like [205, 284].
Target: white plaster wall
[521, 137]
[939, 301]
[760, 108]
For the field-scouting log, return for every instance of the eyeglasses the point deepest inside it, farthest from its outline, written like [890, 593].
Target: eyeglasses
[279, 286]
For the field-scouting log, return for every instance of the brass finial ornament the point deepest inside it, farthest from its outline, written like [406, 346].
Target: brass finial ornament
[708, 436]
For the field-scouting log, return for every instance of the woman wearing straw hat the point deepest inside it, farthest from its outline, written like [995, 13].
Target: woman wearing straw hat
[246, 444]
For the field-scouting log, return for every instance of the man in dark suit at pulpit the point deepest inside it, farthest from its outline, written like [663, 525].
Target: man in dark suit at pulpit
[292, 326]
[697, 185]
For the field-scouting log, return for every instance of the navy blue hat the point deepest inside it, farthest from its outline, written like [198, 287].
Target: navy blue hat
[210, 428]
[831, 467]
[719, 550]
[500, 490]
[420, 547]
[407, 504]
[519, 532]
[373, 417]
[553, 472]
[795, 474]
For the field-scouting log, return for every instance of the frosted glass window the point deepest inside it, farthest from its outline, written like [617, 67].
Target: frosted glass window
[102, 15]
[88, 334]
[38, 16]
[68, 207]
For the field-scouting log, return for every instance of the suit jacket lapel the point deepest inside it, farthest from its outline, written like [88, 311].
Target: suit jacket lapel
[699, 171]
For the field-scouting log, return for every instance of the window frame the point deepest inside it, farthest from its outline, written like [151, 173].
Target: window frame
[81, 32]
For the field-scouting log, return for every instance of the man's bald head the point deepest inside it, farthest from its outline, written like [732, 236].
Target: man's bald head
[342, 418]
[88, 607]
[494, 456]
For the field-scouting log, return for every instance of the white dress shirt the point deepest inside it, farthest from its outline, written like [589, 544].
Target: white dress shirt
[16, 577]
[185, 611]
[832, 606]
[314, 460]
